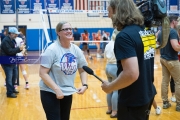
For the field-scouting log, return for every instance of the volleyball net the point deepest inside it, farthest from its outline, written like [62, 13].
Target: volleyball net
[90, 15]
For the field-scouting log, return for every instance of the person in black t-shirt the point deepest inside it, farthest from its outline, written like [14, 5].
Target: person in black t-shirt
[76, 36]
[134, 51]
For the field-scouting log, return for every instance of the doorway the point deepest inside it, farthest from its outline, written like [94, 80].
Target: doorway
[21, 28]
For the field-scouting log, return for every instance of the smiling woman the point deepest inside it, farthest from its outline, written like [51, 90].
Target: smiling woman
[58, 72]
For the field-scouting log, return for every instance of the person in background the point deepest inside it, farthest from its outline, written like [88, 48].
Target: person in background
[9, 48]
[98, 38]
[172, 84]
[85, 44]
[76, 36]
[170, 63]
[172, 88]
[19, 42]
[21, 35]
[111, 66]
[105, 38]
[59, 64]
[134, 62]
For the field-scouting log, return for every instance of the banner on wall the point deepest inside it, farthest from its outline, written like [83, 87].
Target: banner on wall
[172, 6]
[36, 5]
[52, 6]
[100, 5]
[7, 7]
[23, 6]
[66, 4]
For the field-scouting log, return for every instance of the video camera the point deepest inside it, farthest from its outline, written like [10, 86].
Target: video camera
[153, 11]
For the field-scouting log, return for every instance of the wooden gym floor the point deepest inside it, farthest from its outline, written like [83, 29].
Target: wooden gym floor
[90, 106]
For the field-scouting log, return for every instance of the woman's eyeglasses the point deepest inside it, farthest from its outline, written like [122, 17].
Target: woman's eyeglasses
[66, 29]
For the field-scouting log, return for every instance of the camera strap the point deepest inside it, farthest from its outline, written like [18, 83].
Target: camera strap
[165, 32]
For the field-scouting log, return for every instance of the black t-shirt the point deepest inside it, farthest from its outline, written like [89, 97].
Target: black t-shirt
[168, 52]
[76, 36]
[133, 41]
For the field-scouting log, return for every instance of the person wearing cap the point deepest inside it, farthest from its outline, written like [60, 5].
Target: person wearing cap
[9, 48]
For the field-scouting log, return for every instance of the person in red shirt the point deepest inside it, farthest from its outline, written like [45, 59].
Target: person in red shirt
[85, 44]
[98, 38]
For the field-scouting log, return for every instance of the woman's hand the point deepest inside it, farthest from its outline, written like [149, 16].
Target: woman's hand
[81, 90]
[59, 94]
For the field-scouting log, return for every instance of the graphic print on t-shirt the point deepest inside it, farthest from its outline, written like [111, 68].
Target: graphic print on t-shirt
[68, 64]
[149, 41]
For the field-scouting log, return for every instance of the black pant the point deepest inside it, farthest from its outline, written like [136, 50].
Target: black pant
[172, 85]
[56, 109]
[104, 45]
[134, 113]
[86, 47]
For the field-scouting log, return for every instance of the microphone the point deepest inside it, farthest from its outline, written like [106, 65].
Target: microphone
[91, 72]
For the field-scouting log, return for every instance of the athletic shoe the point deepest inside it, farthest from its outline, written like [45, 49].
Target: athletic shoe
[166, 104]
[178, 107]
[16, 87]
[13, 95]
[173, 98]
[98, 56]
[108, 111]
[158, 110]
[26, 86]
[90, 57]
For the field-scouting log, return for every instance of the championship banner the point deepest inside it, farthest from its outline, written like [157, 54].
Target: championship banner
[52, 6]
[23, 6]
[7, 7]
[172, 6]
[36, 5]
[99, 5]
[66, 4]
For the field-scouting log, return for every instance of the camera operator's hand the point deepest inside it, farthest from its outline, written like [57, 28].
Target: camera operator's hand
[22, 47]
